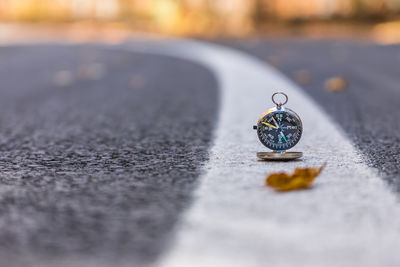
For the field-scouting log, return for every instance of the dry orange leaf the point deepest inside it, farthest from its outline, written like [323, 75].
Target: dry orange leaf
[336, 84]
[300, 179]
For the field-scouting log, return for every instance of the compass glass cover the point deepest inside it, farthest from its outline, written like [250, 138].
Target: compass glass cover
[279, 130]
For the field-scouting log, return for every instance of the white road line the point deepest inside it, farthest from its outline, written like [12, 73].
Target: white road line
[350, 218]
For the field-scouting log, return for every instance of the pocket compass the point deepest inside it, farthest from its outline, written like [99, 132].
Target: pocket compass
[279, 129]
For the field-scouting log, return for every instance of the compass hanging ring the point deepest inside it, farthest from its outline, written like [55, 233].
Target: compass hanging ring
[279, 105]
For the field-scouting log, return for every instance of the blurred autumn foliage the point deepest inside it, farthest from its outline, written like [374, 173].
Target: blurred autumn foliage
[197, 16]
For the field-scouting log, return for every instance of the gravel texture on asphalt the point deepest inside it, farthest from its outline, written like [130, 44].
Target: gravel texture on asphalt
[367, 108]
[99, 152]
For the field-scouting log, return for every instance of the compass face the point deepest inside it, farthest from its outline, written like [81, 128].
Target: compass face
[279, 129]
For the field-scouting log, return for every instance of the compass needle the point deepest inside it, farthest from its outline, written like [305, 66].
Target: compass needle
[276, 124]
[270, 125]
[284, 138]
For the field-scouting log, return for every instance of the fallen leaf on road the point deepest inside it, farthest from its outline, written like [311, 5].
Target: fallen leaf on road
[138, 81]
[302, 76]
[274, 61]
[63, 78]
[301, 178]
[336, 84]
[93, 71]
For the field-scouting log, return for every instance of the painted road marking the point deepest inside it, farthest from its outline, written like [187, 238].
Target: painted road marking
[350, 218]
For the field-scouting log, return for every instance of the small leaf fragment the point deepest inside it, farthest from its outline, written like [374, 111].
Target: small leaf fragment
[274, 61]
[138, 81]
[300, 179]
[303, 77]
[336, 84]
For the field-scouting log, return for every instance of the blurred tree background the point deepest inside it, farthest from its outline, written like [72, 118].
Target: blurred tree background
[199, 16]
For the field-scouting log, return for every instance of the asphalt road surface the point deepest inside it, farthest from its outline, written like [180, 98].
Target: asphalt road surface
[100, 151]
[367, 109]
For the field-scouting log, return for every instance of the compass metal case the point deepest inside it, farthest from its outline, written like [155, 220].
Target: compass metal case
[286, 136]
[279, 129]
[279, 156]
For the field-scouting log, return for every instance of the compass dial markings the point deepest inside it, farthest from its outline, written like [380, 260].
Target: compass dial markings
[284, 135]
